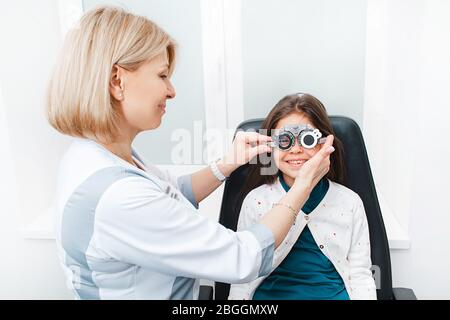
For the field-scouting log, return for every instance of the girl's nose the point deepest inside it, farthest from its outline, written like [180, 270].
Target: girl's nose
[296, 148]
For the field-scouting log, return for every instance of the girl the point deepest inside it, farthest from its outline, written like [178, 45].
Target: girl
[328, 256]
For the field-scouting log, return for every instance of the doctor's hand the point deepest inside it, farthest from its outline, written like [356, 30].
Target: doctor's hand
[246, 146]
[317, 167]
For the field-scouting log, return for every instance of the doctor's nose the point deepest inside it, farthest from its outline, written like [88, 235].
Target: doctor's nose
[170, 91]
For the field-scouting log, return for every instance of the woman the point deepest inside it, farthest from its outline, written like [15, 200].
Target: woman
[328, 257]
[125, 229]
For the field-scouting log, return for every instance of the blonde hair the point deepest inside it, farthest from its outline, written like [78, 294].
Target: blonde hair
[78, 99]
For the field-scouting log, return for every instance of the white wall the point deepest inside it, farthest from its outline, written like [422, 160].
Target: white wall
[406, 116]
[182, 20]
[293, 46]
[29, 33]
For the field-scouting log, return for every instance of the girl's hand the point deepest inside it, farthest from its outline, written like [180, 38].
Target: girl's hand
[246, 146]
[317, 167]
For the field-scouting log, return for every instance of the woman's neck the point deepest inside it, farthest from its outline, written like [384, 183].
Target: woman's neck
[121, 147]
[121, 144]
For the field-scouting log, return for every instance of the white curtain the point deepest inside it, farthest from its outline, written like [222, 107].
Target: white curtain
[406, 122]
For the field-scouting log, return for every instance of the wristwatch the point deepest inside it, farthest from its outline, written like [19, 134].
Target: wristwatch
[215, 170]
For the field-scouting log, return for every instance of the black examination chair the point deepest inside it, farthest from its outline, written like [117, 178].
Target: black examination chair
[359, 179]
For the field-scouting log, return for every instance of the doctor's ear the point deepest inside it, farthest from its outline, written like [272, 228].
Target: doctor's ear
[116, 83]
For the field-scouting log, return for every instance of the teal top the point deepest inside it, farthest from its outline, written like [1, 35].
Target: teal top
[305, 273]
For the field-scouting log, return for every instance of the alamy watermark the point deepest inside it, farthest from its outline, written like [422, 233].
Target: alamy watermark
[201, 146]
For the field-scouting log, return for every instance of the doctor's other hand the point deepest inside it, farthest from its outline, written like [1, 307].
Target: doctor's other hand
[246, 146]
[317, 167]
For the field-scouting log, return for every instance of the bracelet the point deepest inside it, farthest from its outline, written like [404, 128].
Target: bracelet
[215, 170]
[287, 206]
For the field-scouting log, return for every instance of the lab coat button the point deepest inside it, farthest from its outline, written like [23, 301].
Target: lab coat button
[321, 246]
[306, 218]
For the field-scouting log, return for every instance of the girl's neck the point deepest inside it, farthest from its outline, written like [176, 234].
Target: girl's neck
[289, 181]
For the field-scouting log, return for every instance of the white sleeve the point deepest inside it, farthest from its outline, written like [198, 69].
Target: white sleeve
[247, 219]
[138, 223]
[183, 183]
[361, 279]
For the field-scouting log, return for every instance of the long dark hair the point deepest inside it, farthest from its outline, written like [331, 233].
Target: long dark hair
[315, 111]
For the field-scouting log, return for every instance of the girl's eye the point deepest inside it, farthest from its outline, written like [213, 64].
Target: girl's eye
[163, 76]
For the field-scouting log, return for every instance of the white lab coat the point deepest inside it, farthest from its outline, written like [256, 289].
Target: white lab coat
[125, 233]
